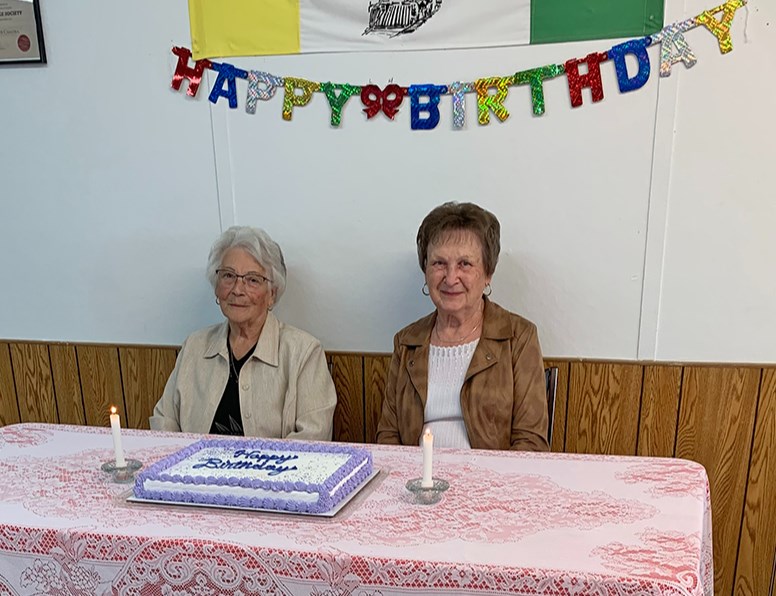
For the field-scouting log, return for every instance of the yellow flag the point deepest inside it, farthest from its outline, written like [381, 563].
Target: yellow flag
[243, 27]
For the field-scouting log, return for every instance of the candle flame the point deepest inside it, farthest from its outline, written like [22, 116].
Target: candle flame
[113, 409]
[427, 432]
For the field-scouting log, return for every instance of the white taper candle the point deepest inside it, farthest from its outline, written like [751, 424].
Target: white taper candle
[115, 427]
[428, 459]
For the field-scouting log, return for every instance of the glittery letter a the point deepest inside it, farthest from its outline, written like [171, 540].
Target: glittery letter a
[721, 28]
[674, 47]
[227, 74]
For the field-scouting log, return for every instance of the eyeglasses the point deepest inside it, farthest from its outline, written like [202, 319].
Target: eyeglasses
[228, 278]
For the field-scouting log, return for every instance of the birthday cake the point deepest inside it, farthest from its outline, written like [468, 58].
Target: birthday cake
[257, 474]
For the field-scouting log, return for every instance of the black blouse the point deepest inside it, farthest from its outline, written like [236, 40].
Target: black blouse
[228, 419]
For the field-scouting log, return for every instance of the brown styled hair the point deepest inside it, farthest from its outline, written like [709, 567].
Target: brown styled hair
[452, 217]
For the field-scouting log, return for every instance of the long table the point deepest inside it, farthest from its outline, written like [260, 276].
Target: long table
[510, 523]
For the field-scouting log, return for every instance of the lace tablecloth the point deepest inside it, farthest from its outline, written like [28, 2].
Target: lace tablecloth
[511, 523]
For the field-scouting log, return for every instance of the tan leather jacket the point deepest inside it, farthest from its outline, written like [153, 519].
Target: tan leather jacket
[503, 398]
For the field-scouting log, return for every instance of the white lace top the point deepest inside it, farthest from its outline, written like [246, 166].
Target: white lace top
[446, 372]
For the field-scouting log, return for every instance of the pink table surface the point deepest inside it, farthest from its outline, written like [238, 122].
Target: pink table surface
[511, 523]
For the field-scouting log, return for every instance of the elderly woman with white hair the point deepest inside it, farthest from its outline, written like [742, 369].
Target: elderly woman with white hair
[251, 375]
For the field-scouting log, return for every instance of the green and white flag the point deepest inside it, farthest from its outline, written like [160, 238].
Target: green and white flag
[222, 28]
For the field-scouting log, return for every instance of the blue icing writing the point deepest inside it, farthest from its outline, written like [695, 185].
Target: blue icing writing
[264, 456]
[216, 463]
[251, 460]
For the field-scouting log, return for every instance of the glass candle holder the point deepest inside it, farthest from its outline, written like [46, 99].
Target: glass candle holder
[122, 475]
[430, 494]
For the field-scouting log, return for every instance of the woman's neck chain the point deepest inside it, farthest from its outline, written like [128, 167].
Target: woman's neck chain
[233, 368]
[456, 340]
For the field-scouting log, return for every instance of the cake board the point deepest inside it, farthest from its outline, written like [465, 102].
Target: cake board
[329, 513]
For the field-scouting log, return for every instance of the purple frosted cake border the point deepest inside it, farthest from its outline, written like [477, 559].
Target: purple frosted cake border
[324, 503]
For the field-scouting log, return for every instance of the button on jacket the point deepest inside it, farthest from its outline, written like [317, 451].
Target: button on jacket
[503, 398]
[285, 387]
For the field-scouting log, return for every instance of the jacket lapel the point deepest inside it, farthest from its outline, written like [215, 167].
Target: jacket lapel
[483, 358]
[417, 369]
[495, 328]
[417, 339]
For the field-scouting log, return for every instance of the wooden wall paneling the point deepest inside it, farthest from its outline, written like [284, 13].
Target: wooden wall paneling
[659, 410]
[561, 404]
[67, 384]
[603, 410]
[100, 383]
[716, 422]
[757, 549]
[9, 408]
[144, 373]
[348, 375]
[34, 386]
[375, 377]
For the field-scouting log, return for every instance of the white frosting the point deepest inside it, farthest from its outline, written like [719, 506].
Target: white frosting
[312, 468]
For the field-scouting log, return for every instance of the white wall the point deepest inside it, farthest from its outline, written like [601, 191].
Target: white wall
[108, 184]
[626, 232]
[718, 296]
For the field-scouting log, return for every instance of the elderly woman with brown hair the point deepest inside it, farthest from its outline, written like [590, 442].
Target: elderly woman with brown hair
[252, 374]
[471, 371]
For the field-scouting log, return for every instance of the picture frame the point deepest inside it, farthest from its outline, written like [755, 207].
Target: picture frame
[21, 33]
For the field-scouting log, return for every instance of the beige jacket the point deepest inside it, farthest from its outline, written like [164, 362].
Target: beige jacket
[503, 398]
[286, 390]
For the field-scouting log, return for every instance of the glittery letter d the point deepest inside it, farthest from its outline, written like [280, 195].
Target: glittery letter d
[637, 47]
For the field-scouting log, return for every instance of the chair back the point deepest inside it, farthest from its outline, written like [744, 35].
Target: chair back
[551, 379]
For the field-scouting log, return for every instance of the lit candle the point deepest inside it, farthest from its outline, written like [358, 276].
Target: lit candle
[115, 428]
[428, 457]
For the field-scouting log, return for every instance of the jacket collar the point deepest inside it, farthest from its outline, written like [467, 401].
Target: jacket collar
[496, 324]
[266, 349]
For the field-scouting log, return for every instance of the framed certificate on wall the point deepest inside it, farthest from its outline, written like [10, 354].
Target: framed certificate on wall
[21, 34]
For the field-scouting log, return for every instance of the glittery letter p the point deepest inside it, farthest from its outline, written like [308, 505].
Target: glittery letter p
[291, 98]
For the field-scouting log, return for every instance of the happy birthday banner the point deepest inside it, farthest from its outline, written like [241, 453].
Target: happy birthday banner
[491, 92]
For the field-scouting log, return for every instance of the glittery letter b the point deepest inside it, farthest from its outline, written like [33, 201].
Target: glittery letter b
[431, 107]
